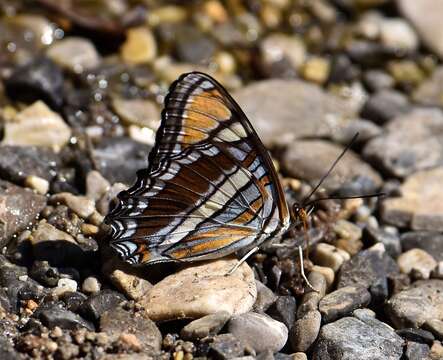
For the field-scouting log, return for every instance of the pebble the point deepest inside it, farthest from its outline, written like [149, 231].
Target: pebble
[366, 130]
[430, 91]
[202, 289]
[397, 34]
[343, 301]
[75, 54]
[329, 256]
[310, 165]
[259, 331]
[385, 105]
[420, 206]
[436, 351]
[317, 111]
[278, 46]
[416, 351]
[64, 286]
[377, 80]
[389, 238]
[417, 261]
[305, 331]
[351, 338]
[55, 316]
[41, 79]
[310, 299]
[425, 16]
[40, 185]
[265, 297]
[97, 304]
[119, 321]
[46, 232]
[140, 112]
[226, 346]
[349, 236]
[128, 280]
[342, 69]
[20, 207]
[42, 272]
[415, 305]
[81, 205]
[91, 285]
[435, 326]
[140, 46]
[411, 143]
[193, 46]
[96, 185]
[284, 310]
[103, 205]
[316, 70]
[208, 325]
[327, 273]
[37, 125]
[416, 335]
[429, 241]
[299, 356]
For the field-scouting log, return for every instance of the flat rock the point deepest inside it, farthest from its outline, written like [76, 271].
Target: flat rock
[119, 321]
[411, 142]
[208, 325]
[18, 208]
[421, 302]
[37, 125]
[65, 319]
[75, 54]
[430, 91]
[343, 301]
[350, 338]
[429, 241]
[259, 331]
[309, 159]
[420, 206]
[138, 112]
[305, 331]
[425, 16]
[200, 290]
[284, 110]
[81, 205]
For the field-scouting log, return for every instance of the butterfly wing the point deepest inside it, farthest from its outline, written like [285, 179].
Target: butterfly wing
[210, 188]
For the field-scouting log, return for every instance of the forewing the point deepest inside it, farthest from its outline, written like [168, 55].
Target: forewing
[210, 187]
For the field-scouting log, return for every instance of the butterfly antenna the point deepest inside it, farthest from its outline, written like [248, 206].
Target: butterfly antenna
[354, 138]
[366, 196]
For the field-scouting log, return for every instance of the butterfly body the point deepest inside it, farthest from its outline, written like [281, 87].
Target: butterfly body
[210, 188]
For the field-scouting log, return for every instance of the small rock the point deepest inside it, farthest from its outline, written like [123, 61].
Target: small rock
[202, 289]
[259, 331]
[419, 207]
[73, 300]
[193, 46]
[75, 54]
[208, 325]
[305, 331]
[41, 186]
[127, 279]
[265, 297]
[42, 272]
[103, 204]
[226, 346]
[397, 34]
[417, 335]
[91, 285]
[310, 299]
[430, 91]
[96, 185]
[318, 111]
[37, 125]
[277, 46]
[40, 79]
[349, 236]
[65, 319]
[299, 356]
[417, 260]
[385, 105]
[378, 80]
[435, 326]
[140, 112]
[420, 302]
[18, 208]
[311, 166]
[436, 351]
[390, 239]
[64, 286]
[328, 255]
[284, 310]
[366, 130]
[316, 70]
[119, 321]
[46, 232]
[327, 273]
[351, 338]
[342, 69]
[81, 205]
[343, 301]
[140, 46]
[416, 351]
[97, 304]
[411, 142]
[429, 241]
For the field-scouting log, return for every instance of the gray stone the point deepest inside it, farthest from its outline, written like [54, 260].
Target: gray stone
[208, 325]
[416, 351]
[350, 338]
[435, 326]
[259, 331]
[425, 16]
[305, 331]
[390, 239]
[18, 208]
[311, 165]
[366, 130]
[385, 105]
[284, 310]
[284, 110]
[99, 303]
[430, 241]
[421, 302]
[310, 299]
[343, 301]
[55, 316]
[226, 346]
[265, 297]
[411, 142]
[377, 80]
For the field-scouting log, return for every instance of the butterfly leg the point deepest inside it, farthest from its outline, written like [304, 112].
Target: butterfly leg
[242, 260]
[302, 270]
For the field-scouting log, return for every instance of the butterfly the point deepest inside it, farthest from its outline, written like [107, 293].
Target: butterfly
[210, 188]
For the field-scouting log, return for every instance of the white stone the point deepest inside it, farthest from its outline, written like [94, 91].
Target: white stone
[37, 183]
